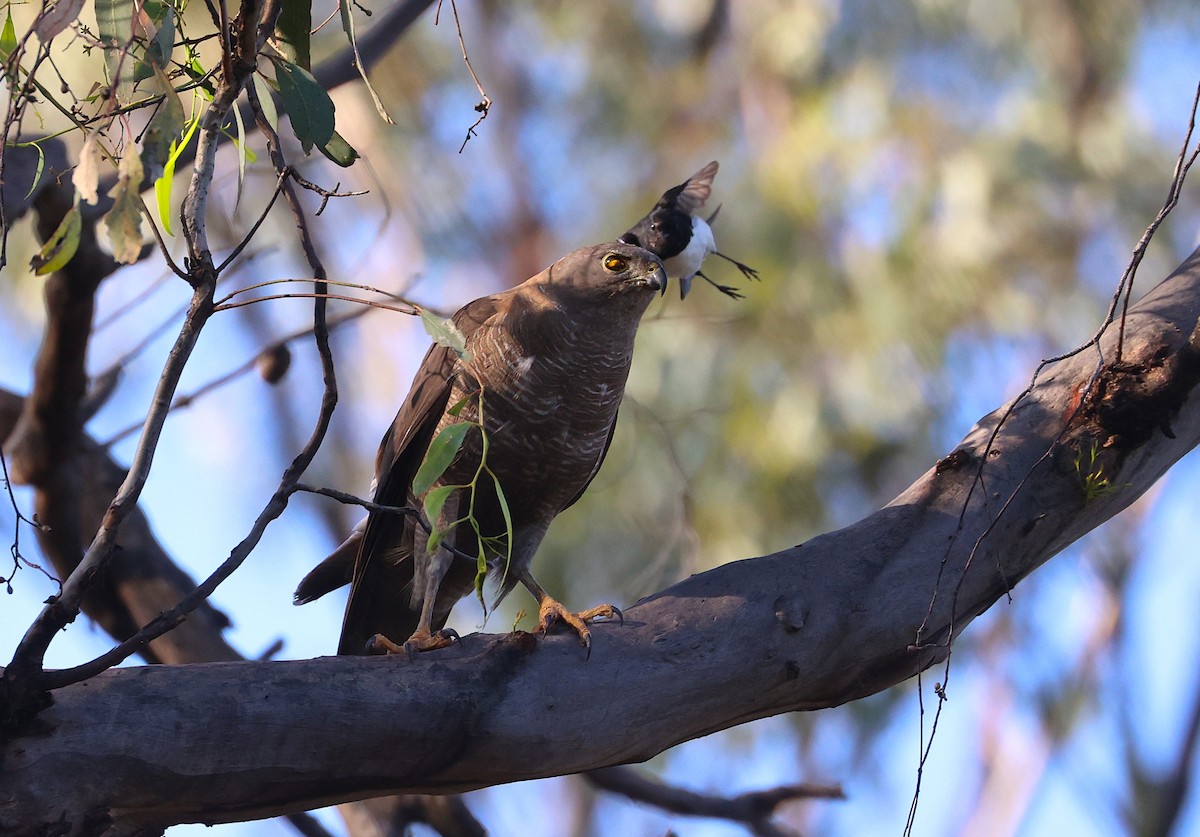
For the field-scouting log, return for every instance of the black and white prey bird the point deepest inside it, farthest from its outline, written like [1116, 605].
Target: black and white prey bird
[681, 238]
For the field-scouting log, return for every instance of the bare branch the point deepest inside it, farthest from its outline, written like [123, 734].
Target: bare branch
[753, 809]
[485, 102]
[189, 398]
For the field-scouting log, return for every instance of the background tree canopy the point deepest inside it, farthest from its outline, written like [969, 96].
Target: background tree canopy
[936, 194]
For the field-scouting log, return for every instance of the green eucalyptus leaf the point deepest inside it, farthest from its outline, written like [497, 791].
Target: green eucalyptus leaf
[339, 151]
[266, 100]
[481, 574]
[240, 142]
[292, 32]
[508, 525]
[439, 456]
[61, 246]
[435, 500]
[445, 333]
[8, 37]
[435, 539]
[307, 104]
[162, 186]
[114, 22]
[37, 172]
[162, 39]
[347, 12]
[164, 129]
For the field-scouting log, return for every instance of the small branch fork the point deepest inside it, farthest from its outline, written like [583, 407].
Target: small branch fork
[18, 518]
[485, 101]
[1120, 300]
[753, 809]
[408, 511]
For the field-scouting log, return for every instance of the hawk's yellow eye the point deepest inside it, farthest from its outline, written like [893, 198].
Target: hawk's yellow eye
[615, 264]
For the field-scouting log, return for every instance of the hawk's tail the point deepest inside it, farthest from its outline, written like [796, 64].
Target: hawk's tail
[335, 571]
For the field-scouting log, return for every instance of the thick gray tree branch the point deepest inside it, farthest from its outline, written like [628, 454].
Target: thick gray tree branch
[812, 626]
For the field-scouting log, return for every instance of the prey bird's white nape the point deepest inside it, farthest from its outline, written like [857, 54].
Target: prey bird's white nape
[682, 239]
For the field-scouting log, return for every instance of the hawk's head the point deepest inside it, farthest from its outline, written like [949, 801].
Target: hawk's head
[607, 270]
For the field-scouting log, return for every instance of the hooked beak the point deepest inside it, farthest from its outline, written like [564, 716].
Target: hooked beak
[656, 280]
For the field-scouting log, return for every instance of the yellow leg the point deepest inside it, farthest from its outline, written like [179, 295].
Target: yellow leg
[431, 569]
[550, 611]
[421, 640]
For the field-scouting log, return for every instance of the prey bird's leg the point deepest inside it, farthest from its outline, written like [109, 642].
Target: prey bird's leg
[551, 611]
[728, 290]
[747, 271]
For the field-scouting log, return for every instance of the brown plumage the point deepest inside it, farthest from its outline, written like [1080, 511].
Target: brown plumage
[550, 358]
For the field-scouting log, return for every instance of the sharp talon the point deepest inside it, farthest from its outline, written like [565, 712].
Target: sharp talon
[620, 616]
[728, 290]
[422, 641]
[380, 644]
[747, 270]
[551, 611]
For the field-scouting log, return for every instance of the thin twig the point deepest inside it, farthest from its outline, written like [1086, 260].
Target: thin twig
[352, 500]
[356, 285]
[237, 251]
[187, 399]
[407, 511]
[229, 306]
[134, 302]
[15, 548]
[162, 244]
[485, 102]
[325, 194]
[1181, 170]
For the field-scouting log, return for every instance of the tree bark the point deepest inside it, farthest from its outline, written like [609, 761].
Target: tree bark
[843, 616]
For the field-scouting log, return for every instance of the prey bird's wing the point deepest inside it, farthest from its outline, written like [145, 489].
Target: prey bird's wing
[693, 192]
[380, 589]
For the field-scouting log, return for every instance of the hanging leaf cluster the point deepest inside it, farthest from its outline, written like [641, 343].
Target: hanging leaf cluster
[153, 62]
